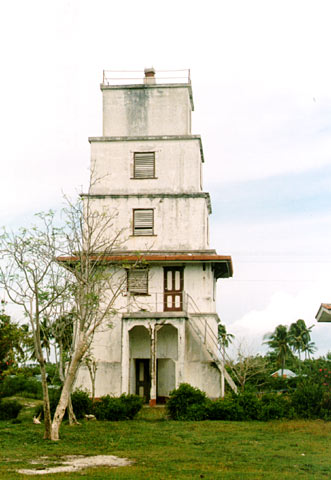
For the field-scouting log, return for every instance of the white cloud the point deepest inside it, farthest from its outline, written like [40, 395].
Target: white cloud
[284, 308]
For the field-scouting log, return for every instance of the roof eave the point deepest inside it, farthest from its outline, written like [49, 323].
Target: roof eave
[221, 264]
[324, 313]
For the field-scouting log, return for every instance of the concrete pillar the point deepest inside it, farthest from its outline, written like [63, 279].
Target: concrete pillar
[180, 364]
[125, 357]
[152, 400]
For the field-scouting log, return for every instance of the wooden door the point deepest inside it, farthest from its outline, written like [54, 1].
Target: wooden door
[173, 289]
[143, 378]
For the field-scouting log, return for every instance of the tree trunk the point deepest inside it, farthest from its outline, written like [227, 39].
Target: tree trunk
[71, 414]
[41, 361]
[92, 368]
[47, 408]
[66, 390]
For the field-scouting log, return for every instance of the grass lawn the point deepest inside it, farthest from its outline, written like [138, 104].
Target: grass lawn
[163, 449]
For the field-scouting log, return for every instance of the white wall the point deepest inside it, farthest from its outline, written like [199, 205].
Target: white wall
[140, 110]
[180, 223]
[177, 166]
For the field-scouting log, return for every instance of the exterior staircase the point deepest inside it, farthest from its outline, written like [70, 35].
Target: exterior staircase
[199, 324]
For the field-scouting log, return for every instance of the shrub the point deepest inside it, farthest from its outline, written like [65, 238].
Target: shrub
[81, 403]
[227, 408]
[275, 406]
[326, 406]
[187, 402]
[14, 384]
[9, 409]
[306, 400]
[250, 404]
[124, 407]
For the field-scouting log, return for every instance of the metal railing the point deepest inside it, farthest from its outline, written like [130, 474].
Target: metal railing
[199, 323]
[156, 302]
[128, 77]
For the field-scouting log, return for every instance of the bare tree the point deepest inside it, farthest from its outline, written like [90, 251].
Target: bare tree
[96, 284]
[86, 288]
[247, 366]
[92, 366]
[34, 281]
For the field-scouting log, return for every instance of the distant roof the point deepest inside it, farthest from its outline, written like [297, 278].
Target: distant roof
[324, 313]
[286, 373]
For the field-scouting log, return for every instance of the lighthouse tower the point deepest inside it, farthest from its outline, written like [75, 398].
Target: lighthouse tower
[149, 170]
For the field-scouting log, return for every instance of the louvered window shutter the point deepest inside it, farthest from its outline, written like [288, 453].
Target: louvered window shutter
[144, 165]
[138, 281]
[143, 220]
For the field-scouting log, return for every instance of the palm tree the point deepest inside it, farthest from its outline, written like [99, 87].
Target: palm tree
[300, 338]
[280, 341]
[309, 348]
[224, 338]
[296, 332]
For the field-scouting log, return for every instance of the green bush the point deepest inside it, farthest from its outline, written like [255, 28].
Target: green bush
[326, 406]
[187, 403]
[275, 406]
[124, 407]
[250, 404]
[306, 400]
[9, 409]
[81, 403]
[227, 408]
[14, 384]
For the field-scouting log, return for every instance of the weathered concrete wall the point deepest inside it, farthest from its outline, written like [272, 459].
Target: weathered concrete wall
[205, 376]
[139, 342]
[107, 382]
[167, 342]
[166, 378]
[141, 110]
[200, 371]
[180, 221]
[177, 166]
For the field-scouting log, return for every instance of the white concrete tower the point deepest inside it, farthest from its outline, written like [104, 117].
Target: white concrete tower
[149, 171]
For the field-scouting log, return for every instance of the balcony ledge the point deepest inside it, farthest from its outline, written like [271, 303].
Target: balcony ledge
[154, 315]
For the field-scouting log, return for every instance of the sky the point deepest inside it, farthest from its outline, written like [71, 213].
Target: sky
[261, 78]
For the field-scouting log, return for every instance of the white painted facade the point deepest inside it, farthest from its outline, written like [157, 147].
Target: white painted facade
[165, 335]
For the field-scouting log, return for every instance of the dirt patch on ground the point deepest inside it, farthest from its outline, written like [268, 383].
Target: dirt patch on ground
[72, 463]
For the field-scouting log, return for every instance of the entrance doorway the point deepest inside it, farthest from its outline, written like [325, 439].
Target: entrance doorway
[173, 289]
[143, 378]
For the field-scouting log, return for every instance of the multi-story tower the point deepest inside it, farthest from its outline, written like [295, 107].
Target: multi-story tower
[149, 170]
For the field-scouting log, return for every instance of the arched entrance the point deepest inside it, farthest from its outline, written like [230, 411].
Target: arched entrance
[167, 355]
[139, 339]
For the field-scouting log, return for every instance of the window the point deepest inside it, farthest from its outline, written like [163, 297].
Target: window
[143, 221]
[144, 165]
[137, 281]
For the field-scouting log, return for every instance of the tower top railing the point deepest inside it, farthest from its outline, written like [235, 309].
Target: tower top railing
[149, 76]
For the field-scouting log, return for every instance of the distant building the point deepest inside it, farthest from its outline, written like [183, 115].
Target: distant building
[150, 170]
[285, 373]
[324, 313]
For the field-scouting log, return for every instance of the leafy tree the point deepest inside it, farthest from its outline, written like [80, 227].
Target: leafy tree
[10, 335]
